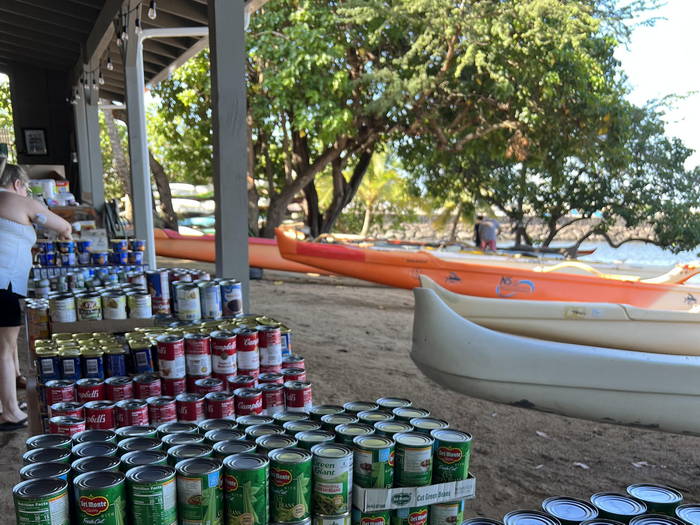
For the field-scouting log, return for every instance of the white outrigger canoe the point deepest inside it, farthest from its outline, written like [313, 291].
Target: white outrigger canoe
[618, 386]
[597, 324]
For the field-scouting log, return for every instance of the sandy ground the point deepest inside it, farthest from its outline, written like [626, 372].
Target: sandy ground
[356, 339]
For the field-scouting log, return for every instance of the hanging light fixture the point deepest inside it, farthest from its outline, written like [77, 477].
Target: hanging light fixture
[152, 13]
[101, 79]
[137, 25]
[110, 66]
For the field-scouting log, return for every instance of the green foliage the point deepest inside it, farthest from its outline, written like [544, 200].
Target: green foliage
[6, 121]
[114, 185]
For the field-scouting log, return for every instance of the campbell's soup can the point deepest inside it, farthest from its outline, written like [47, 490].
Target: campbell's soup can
[210, 297]
[99, 415]
[171, 356]
[223, 352]
[197, 355]
[159, 288]
[131, 412]
[273, 398]
[298, 397]
[118, 388]
[89, 389]
[270, 345]
[207, 385]
[248, 355]
[219, 405]
[147, 385]
[189, 306]
[190, 407]
[294, 361]
[59, 390]
[270, 378]
[294, 374]
[241, 381]
[67, 408]
[173, 387]
[162, 409]
[248, 401]
[66, 425]
[232, 297]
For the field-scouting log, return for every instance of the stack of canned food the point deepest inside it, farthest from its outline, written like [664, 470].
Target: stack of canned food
[293, 467]
[81, 252]
[641, 504]
[85, 279]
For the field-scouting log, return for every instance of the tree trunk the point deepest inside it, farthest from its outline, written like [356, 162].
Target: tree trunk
[313, 214]
[455, 223]
[120, 163]
[276, 211]
[367, 221]
[166, 198]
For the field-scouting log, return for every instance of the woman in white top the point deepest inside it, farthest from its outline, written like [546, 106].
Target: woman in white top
[17, 213]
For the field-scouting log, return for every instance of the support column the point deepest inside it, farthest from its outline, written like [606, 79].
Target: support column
[138, 140]
[81, 142]
[228, 93]
[96, 172]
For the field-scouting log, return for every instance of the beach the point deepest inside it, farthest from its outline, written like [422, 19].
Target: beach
[356, 339]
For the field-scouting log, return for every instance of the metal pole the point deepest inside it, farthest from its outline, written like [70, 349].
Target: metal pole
[81, 141]
[229, 126]
[96, 175]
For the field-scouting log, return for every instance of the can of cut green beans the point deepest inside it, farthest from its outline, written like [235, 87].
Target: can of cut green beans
[49, 441]
[138, 458]
[353, 407]
[139, 443]
[390, 403]
[425, 425]
[330, 421]
[314, 437]
[95, 464]
[338, 519]
[180, 452]
[374, 461]
[223, 449]
[152, 495]
[93, 449]
[347, 432]
[390, 428]
[136, 431]
[100, 495]
[410, 516]
[199, 495]
[318, 411]
[182, 438]
[408, 413]
[448, 513]
[246, 480]
[45, 470]
[451, 458]
[290, 485]
[283, 417]
[86, 436]
[370, 417]
[41, 502]
[223, 434]
[414, 459]
[274, 441]
[292, 428]
[332, 468]
[375, 517]
[216, 424]
[42, 455]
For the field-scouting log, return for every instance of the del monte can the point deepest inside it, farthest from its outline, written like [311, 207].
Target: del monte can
[290, 485]
[332, 469]
[452, 452]
[100, 498]
[374, 461]
[246, 480]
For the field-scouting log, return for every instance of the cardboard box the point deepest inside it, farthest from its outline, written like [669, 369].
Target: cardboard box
[105, 325]
[401, 497]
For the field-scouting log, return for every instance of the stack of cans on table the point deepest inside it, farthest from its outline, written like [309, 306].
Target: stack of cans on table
[639, 504]
[293, 468]
[45, 282]
[81, 253]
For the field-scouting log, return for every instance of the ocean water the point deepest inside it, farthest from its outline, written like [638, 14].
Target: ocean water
[638, 254]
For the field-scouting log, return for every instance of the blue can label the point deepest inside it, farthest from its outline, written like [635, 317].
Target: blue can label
[70, 368]
[68, 259]
[93, 366]
[142, 361]
[48, 368]
[115, 365]
[286, 344]
[135, 257]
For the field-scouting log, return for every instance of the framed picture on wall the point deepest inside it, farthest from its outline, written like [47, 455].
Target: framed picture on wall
[35, 141]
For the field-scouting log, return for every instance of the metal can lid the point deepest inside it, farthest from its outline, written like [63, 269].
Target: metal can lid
[601, 521]
[393, 402]
[98, 480]
[529, 517]
[413, 439]
[452, 436]
[223, 434]
[118, 380]
[569, 509]
[222, 334]
[372, 416]
[150, 474]
[322, 410]
[115, 350]
[254, 419]
[41, 455]
[186, 397]
[315, 436]
[246, 462]
[290, 416]
[198, 466]
[331, 450]
[290, 455]
[302, 425]
[255, 431]
[354, 429]
[135, 431]
[174, 427]
[39, 488]
[618, 504]
[653, 493]
[94, 464]
[247, 392]
[234, 446]
[94, 435]
[143, 457]
[94, 448]
[46, 469]
[182, 438]
[169, 338]
[139, 443]
[373, 441]
[160, 401]
[655, 519]
[69, 352]
[360, 406]
[410, 412]
[273, 441]
[271, 386]
[48, 440]
[339, 419]
[689, 513]
[481, 521]
[428, 423]
[393, 427]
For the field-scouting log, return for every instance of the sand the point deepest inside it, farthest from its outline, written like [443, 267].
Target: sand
[356, 339]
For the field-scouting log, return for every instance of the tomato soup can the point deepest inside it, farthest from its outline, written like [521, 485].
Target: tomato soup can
[131, 412]
[241, 381]
[199, 494]
[246, 482]
[190, 407]
[46, 455]
[70, 364]
[99, 415]
[248, 355]
[152, 495]
[159, 288]
[137, 458]
[189, 307]
[141, 357]
[49, 441]
[270, 345]
[118, 388]
[223, 352]
[294, 374]
[332, 478]
[197, 355]
[42, 501]
[147, 385]
[376, 517]
[90, 389]
[219, 405]
[171, 356]
[67, 408]
[290, 485]
[271, 378]
[100, 495]
[293, 361]
[173, 387]
[410, 516]
[59, 390]
[374, 461]
[232, 297]
[298, 396]
[451, 457]
[248, 401]
[208, 385]
[210, 297]
[273, 398]
[48, 469]
[161, 409]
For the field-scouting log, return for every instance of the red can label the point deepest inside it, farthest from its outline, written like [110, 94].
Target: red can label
[59, 391]
[270, 344]
[171, 356]
[161, 410]
[294, 361]
[67, 408]
[223, 353]
[190, 407]
[248, 401]
[68, 426]
[207, 385]
[173, 387]
[219, 405]
[146, 386]
[131, 412]
[270, 369]
[99, 415]
[197, 355]
[226, 378]
[251, 372]
[298, 396]
[273, 398]
[241, 381]
[248, 356]
[90, 390]
[294, 374]
[118, 388]
[272, 377]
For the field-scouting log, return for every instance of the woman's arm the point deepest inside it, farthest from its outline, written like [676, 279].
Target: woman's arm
[41, 215]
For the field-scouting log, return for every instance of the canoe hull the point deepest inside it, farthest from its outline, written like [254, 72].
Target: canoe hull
[595, 383]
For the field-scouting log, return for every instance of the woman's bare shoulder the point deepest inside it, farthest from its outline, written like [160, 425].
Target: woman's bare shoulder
[17, 208]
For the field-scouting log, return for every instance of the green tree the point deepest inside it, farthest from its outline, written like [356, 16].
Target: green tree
[6, 122]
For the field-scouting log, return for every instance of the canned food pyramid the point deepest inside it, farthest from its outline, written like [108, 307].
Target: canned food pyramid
[246, 480]
[332, 467]
[290, 485]
[100, 498]
[199, 496]
[374, 461]
[452, 451]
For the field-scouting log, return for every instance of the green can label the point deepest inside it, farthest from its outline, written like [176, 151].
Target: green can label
[245, 492]
[43, 511]
[377, 517]
[451, 459]
[101, 507]
[153, 503]
[374, 467]
[450, 513]
[410, 516]
[290, 491]
[414, 459]
[199, 499]
[332, 468]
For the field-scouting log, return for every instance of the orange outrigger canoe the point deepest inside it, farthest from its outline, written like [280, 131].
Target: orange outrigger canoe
[402, 270]
[262, 253]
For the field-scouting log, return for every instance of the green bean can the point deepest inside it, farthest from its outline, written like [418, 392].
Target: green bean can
[452, 452]
[41, 502]
[448, 513]
[410, 516]
[376, 517]
[199, 494]
[152, 495]
[100, 498]
[414, 459]
[337, 519]
[246, 481]
[290, 485]
[374, 462]
[347, 432]
[332, 468]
